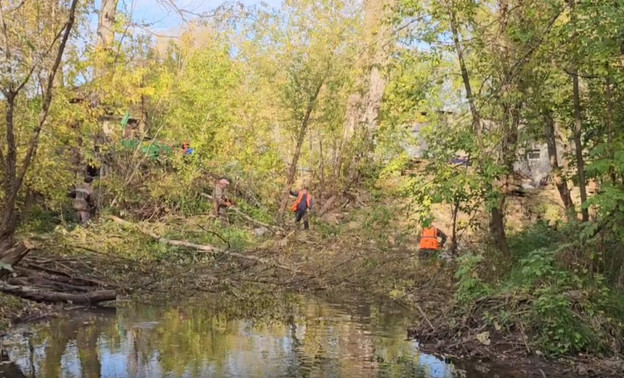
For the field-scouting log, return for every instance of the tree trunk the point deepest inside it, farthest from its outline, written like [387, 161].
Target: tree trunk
[7, 227]
[292, 170]
[559, 180]
[454, 230]
[497, 227]
[106, 23]
[476, 118]
[13, 254]
[375, 22]
[497, 221]
[578, 123]
[322, 193]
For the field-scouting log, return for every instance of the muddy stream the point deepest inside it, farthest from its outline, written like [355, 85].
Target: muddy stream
[322, 338]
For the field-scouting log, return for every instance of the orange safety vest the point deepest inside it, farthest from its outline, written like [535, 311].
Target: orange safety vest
[429, 239]
[295, 205]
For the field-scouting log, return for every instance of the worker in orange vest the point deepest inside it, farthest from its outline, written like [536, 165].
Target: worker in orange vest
[429, 243]
[301, 206]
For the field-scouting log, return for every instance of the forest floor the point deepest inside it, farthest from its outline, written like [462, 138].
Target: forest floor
[363, 247]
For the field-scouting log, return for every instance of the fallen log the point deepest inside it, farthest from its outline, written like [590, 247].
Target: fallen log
[202, 247]
[38, 295]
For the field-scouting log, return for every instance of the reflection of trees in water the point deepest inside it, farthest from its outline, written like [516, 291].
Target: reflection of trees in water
[59, 334]
[85, 333]
[86, 342]
[337, 341]
[297, 363]
[198, 340]
[40, 350]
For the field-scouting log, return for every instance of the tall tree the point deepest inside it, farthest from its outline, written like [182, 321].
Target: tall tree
[497, 215]
[363, 107]
[29, 55]
[312, 92]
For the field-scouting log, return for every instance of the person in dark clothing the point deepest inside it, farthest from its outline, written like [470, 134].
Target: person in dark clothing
[92, 170]
[301, 206]
[85, 200]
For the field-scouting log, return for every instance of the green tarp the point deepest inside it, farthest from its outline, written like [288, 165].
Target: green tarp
[152, 150]
[124, 120]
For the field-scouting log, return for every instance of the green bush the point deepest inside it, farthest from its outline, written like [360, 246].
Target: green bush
[470, 287]
[563, 306]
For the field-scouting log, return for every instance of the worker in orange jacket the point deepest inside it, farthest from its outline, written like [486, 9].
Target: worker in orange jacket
[429, 243]
[301, 206]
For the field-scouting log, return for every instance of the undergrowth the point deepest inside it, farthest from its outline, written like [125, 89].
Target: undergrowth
[564, 307]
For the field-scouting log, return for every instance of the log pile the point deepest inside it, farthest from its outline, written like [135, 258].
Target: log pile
[91, 275]
[53, 280]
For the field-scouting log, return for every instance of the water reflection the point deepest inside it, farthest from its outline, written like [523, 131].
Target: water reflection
[318, 339]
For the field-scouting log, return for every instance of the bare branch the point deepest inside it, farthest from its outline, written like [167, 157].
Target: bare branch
[185, 13]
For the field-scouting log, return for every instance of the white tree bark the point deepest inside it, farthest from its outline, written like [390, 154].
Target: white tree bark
[106, 23]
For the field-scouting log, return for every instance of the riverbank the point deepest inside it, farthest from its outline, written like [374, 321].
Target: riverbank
[463, 309]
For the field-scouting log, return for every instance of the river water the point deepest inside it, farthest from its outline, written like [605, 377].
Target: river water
[315, 338]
